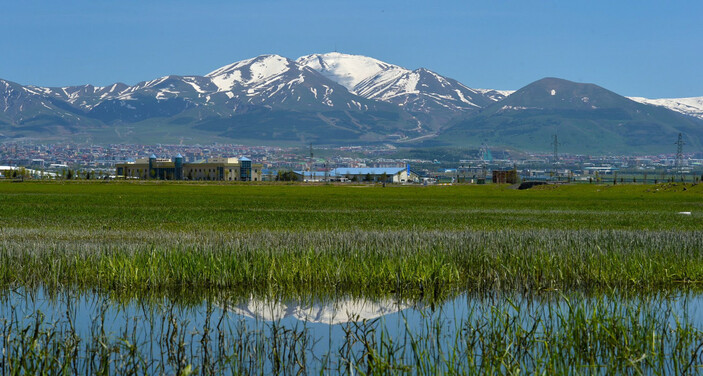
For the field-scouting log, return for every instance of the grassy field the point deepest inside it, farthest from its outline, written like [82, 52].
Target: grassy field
[590, 279]
[251, 208]
[293, 238]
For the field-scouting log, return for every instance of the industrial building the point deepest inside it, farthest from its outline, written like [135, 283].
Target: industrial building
[219, 168]
[368, 174]
[503, 176]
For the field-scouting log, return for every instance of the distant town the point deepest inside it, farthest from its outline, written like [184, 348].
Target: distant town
[311, 163]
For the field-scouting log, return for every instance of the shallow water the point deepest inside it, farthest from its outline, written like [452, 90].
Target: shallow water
[350, 334]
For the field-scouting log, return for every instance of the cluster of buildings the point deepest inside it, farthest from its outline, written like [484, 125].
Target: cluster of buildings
[243, 169]
[398, 175]
[216, 168]
[95, 157]
[382, 163]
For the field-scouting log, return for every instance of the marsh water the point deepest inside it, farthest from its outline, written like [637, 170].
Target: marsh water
[466, 332]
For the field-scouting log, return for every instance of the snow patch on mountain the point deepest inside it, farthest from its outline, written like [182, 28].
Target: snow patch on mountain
[417, 90]
[190, 81]
[347, 70]
[495, 95]
[692, 106]
[251, 72]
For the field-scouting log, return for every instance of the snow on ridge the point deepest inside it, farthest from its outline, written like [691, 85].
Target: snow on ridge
[493, 94]
[692, 106]
[192, 82]
[375, 86]
[347, 70]
[463, 99]
[256, 71]
[230, 67]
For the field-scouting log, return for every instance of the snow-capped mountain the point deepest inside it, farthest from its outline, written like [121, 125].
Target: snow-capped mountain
[33, 109]
[692, 106]
[276, 80]
[331, 81]
[419, 90]
[327, 98]
[268, 96]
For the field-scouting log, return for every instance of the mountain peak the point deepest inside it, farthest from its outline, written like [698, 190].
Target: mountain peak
[256, 70]
[345, 69]
[552, 92]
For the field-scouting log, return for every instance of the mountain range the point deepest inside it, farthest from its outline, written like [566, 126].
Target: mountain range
[337, 98]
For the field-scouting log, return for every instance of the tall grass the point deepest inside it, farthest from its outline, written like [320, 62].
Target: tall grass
[418, 263]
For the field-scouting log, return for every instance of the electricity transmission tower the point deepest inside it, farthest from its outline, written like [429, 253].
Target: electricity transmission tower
[679, 156]
[555, 158]
[484, 155]
[310, 165]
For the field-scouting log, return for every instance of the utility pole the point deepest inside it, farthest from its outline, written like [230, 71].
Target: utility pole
[483, 154]
[555, 157]
[310, 165]
[679, 156]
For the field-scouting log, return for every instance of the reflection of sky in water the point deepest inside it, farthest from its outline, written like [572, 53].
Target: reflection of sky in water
[327, 322]
[86, 308]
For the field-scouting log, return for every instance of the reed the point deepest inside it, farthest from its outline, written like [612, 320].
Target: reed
[498, 334]
[415, 263]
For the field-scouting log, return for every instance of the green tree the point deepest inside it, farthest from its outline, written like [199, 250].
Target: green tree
[288, 175]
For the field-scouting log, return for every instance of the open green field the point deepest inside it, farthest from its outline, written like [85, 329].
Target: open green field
[293, 238]
[179, 278]
[252, 208]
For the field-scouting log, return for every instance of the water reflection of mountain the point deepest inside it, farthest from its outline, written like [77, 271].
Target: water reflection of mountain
[329, 312]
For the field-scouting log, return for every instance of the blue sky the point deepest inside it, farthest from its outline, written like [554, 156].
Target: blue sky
[642, 48]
